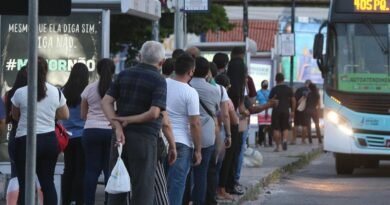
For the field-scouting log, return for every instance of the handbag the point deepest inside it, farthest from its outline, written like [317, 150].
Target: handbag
[62, 136]
[61, 133]
[302, 104]
[119, 181]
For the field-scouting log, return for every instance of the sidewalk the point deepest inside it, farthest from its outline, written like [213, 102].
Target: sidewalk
[275, 164]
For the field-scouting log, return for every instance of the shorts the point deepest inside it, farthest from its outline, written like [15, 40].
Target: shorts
[280, 121]
[299, 119]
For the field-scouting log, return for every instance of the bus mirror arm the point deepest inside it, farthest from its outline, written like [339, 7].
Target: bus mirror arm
[318, 48]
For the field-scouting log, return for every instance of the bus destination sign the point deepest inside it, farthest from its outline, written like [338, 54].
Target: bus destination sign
[372, 6]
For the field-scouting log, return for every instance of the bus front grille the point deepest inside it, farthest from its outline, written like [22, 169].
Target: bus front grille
[363, 102]
[375, 141]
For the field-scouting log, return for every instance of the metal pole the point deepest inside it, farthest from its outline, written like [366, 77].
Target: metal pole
[32, 101]
[179, 24]
[292, 31]
[156, 30]
[246, 22]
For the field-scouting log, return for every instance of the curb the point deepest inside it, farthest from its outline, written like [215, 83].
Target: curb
[253, 192]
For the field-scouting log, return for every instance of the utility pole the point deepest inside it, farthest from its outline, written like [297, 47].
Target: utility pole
[156, 30]
[293, 33]
[32, 101]
[179, 24]
[246, 21]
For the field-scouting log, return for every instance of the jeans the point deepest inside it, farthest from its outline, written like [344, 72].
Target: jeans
[213, 178]
[46, 159]
[140, 158]
[243, 147]
[96, 145]
[11, 150]
[177, 174]
[73, 177]
[200, 177]
[228, 169]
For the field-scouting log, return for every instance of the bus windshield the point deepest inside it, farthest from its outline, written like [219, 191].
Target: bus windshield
[362, 57]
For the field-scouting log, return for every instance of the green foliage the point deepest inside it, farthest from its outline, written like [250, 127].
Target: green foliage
[127, 29]
[198, 23]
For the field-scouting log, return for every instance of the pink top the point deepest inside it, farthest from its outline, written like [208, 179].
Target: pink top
[95, 115]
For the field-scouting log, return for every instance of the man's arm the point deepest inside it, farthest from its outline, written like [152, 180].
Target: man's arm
[168, 133]
[293, 106]
[152, 114]
[259, 108]
[196, 133]
[108, 109]
[226, 122]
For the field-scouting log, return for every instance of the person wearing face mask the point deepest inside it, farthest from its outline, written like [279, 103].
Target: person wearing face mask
[264, 118]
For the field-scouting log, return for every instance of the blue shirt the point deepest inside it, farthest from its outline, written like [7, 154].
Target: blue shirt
[2, 109]
[262, 96]
[136, 90]
[74, 124]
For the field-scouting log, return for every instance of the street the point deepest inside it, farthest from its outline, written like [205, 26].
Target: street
[318, 184]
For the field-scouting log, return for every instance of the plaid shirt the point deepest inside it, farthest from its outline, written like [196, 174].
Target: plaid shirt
[136, 90]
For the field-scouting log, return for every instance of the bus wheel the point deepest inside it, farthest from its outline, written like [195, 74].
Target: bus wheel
[344, 164]
[371, 164]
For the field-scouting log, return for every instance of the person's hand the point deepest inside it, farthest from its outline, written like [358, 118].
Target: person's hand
[123, 120]
[172, 155]
[197, 158]
[273, 102]
[120, 136]
[228, 142]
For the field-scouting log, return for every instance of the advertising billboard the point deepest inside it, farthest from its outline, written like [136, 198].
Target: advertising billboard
[63, 41]
[305, 66]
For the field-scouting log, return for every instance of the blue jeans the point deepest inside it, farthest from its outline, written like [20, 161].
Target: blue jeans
[237, 175]
[177, 174]
[96, 145]
[200, 177]
[46, 159]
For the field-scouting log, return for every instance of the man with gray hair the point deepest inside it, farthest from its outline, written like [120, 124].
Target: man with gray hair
[140, 96]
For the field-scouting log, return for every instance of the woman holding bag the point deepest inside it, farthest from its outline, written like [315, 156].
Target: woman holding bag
[49, 108]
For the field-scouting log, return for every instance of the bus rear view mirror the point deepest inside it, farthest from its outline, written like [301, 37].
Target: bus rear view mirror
[318, 46]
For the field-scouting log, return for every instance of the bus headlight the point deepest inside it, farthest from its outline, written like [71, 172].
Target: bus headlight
[340, 122]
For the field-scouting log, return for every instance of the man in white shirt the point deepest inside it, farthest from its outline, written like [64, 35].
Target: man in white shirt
[183, 112]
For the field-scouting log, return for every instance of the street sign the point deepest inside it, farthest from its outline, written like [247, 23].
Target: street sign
[195, 6]
[149, 9]
[287, 44]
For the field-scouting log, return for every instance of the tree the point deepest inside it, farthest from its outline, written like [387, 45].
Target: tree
[126, 29]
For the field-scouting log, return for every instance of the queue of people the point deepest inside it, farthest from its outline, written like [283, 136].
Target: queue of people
[183, 131]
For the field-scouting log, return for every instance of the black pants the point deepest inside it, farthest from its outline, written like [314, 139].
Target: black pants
[212, 181]
[313, 114]
[140, 158]
[230, 161]
[46, 159]
[261, 135]
[73, 177]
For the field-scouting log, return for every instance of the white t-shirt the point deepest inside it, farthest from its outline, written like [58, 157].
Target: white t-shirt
[46, 109]
[182, 102]
[95, 115]
[225, 96]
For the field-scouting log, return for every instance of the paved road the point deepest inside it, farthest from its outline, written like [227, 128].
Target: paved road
[317, 184]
